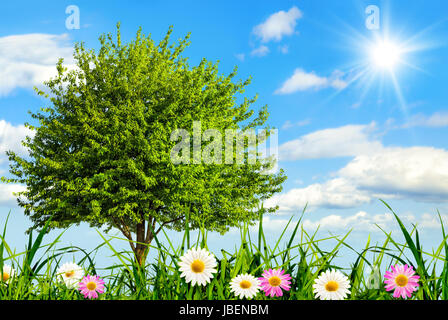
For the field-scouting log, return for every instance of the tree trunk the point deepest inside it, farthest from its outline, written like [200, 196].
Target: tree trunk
[145, 234]
[144, 238]
[140, 247]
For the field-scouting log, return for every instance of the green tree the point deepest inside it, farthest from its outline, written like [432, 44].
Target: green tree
[101, 151]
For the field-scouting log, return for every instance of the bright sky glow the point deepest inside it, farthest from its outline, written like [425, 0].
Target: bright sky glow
[385, 54]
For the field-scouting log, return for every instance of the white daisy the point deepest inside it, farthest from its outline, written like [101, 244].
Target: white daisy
[70, 274]
[197, 266]
[245, 286]
[331, 285]
[7, 274]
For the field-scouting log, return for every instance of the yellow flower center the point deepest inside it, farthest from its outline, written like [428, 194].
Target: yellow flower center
[91, 285]
[6, 276]
[332, 286]
[245, 284]
[274, 281]
[197, 266]
[69, 274]
[401, 280]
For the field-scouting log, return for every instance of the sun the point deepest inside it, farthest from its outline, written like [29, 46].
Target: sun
[379, 60]
[385, 54]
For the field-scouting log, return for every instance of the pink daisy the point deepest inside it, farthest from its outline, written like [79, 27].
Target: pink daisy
[402, 279]
[90, 286]
[273, 281]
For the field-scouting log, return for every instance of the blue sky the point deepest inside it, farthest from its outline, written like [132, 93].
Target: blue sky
[350, 131]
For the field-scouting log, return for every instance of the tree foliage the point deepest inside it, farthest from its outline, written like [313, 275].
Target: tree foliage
[101, 151]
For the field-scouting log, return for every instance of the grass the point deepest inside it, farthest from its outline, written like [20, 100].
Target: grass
[299, 252]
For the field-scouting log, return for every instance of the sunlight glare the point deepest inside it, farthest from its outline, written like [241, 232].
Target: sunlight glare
[385, 54]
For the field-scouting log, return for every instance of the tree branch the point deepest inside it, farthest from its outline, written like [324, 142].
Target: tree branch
[126, 232]
[151, 223]
[168, 222]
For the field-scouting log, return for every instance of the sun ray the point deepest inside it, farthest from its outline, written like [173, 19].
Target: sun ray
[379, 58]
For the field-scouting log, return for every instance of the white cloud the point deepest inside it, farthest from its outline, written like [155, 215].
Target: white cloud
[284, 49]
[350, 140]
[261, 51]
[6, 193]
[28, 60]
[288, 124]
[338, 84]
[432, 221]
[438, 119]
[11, 138]
[375, 171]
[335, 193]
[416, 173]
[302, 81]
[240, 56]
[278, 25]
[273, 225]
[420, 173]
[363, 221]
[360, 221]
